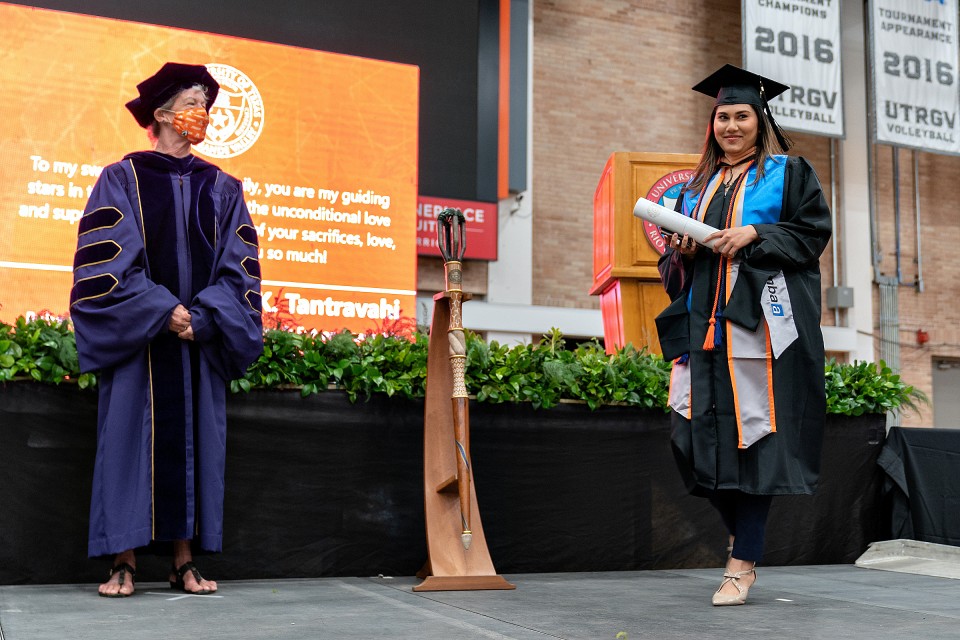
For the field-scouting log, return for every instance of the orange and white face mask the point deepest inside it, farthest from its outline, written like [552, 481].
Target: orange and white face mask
[191, 123]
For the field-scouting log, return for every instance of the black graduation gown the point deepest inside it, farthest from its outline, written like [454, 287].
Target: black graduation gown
[706, 445]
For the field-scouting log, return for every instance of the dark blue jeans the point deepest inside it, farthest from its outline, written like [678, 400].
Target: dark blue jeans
[745, 516]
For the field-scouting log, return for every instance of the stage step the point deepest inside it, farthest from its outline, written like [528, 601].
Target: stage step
[912, 556]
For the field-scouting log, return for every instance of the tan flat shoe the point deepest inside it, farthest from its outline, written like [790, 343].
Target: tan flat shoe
[726, 600]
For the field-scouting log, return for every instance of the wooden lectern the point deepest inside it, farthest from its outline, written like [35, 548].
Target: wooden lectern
[625, 251]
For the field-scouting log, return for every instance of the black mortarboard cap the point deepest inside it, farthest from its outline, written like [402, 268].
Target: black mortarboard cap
[171, 78]
[733, 85]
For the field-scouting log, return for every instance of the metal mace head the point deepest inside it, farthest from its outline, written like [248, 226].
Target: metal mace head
[450, 234]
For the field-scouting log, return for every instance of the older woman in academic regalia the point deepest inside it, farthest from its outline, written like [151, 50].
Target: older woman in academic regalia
[747, 388]
[166, 305]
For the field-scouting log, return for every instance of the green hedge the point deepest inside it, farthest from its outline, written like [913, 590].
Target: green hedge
[43, 350]
[543, 374]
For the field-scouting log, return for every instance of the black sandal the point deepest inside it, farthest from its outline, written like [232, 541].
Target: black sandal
[123, 569]
[182, 571]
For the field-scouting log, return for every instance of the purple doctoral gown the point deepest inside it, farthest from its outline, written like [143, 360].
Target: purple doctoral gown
[160, 231]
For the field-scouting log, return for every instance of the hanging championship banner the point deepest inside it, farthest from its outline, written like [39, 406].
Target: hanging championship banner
[798, 43]
[914, 56]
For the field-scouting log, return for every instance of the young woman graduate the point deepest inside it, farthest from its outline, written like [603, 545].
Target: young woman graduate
[747, 388]
[166, 305]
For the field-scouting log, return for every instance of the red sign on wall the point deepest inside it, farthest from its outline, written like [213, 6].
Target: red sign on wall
[481, 226]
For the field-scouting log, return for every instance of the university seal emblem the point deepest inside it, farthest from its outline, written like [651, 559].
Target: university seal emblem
[665, 192]
[236, 118]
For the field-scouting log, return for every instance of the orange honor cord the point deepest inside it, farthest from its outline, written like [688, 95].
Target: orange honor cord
[712, 338]
[736, 394]
[769, 355]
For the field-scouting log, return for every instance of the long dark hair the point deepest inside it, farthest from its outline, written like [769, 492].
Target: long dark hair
[767, 146]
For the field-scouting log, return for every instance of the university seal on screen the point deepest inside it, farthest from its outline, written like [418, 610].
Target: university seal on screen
[236, 118]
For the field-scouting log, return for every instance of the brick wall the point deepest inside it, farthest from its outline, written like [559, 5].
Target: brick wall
[613, 75]
[609, 76]
[935, 310]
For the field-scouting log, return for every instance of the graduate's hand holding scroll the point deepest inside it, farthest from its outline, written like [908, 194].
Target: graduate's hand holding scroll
[728, 242]
[686, 245]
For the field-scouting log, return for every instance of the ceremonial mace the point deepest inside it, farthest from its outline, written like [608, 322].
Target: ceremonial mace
[458, 558]
[453, 243]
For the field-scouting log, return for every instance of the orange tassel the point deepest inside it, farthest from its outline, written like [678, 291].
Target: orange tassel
[708, 341]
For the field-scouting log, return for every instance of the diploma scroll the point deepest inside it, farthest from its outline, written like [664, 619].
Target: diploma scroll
[671, 220]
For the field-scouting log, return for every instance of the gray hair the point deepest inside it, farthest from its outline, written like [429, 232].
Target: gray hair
[155, 125]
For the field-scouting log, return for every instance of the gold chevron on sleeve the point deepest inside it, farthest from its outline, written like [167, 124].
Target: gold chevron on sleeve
[102, 218]
[251, 267]
[96, 253]
[248, 234]
[92, 287]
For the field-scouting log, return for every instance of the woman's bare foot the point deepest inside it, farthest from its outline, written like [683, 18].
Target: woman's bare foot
[191, 580]
[120, 584]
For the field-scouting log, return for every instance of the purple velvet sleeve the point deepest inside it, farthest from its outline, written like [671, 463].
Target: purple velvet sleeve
[115, 308]
[226, 314]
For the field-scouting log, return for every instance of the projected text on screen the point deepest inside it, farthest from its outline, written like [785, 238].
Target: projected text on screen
[324, 144]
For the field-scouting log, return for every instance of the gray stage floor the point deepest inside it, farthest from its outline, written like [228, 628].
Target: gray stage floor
[788, 602]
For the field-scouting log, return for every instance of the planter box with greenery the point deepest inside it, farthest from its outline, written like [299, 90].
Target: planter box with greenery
[324, 471]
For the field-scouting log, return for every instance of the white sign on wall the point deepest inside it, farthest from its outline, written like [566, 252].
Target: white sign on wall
[798, 43]
[914, 69]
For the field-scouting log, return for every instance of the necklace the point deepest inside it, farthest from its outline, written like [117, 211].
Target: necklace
[724, 163]
[732, 176]
[728, 181]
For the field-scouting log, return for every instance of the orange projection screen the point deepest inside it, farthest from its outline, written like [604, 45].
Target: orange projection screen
[325, 144]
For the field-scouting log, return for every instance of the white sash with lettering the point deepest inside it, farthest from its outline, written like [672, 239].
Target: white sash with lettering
[751, 374]
[778, 313]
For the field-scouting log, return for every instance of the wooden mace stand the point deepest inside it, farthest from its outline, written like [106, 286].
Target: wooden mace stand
[449, 566]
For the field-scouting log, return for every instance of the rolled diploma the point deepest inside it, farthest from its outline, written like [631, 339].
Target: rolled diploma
[673, 221]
